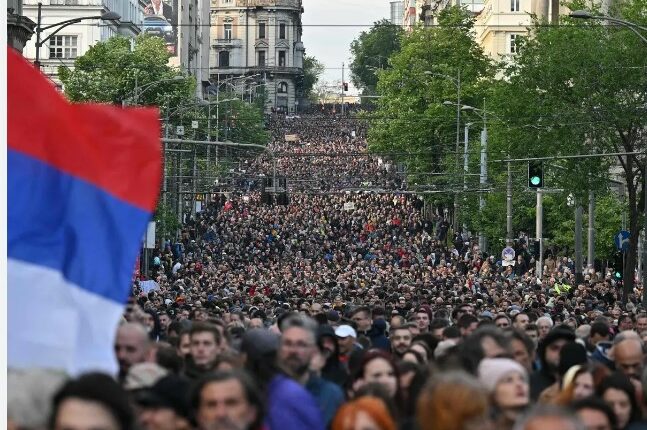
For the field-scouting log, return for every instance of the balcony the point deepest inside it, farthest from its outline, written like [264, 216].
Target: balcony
[227, 43]
[294, 4]
[276, 69]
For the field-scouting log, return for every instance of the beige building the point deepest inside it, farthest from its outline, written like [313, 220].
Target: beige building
[501, 22]
[256, 44]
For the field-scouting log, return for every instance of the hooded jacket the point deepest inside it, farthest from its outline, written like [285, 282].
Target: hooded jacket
[544, 378]
[333, 370]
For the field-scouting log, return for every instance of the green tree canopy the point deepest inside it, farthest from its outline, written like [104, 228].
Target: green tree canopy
[114, 70]
[371, 52]
[312, 71]
[579, 88]
[412, 117]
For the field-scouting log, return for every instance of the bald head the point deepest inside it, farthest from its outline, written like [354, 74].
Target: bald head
[131, 346]
[628, 356]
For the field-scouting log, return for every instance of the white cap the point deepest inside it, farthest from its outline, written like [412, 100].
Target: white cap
[345, 331]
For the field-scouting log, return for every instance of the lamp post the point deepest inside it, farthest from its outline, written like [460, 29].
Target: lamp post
[138, 91]
[108, 16]
[457, 83]
[483, 176]
[583, 14]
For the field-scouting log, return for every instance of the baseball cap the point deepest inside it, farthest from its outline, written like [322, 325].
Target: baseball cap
[332, 316]
[345, 331]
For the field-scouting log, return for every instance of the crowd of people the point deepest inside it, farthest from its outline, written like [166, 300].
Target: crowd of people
[351, 311]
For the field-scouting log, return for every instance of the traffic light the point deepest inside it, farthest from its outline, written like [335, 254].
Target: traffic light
[535, 174]
[345, 86]
[618, 266]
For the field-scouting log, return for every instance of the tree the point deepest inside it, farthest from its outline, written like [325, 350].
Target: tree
[579, 88]
[112, 71]
[312, 71]
[371, 52]
[411, 118]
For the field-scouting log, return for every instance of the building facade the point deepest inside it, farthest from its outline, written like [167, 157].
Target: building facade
[397, 12]
[257, 48]
[19, 27]
[75, 40]
[502, 22]
[193, 37]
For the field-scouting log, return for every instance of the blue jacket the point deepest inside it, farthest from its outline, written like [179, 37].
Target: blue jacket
[328, 395]
[291, 406]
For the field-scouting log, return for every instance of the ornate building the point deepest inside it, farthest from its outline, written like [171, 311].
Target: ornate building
[257, 48]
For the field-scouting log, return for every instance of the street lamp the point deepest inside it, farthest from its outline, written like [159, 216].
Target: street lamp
[108, 16]
[141, 90]
[457, 84]
[584, 14]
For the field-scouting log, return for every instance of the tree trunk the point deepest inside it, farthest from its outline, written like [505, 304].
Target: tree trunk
[631, 255]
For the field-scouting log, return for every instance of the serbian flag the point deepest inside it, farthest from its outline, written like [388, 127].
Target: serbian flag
[82, 182]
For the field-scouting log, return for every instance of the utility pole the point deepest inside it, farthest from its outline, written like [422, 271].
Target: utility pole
[578, 242]
[458, 144]
[465, 168]
[509, 205]
[540, 232]
[644, 268]
[483, 180]
[342, 89]
[590, 257]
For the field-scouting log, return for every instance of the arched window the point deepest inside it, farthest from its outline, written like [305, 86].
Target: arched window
[283, 87]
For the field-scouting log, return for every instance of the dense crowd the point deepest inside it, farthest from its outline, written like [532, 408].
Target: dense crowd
[351, 311]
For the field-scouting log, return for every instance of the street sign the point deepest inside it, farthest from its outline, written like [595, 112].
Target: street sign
[507, 255]
[621, 239]
[179, 130]
[195, 124]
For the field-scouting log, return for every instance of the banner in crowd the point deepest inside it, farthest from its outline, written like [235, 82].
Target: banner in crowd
[82, 182]
[291, 137]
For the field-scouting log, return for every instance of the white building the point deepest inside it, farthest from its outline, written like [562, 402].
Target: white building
[75, 40]
[193, 37]
[257, 44]
[397, 12]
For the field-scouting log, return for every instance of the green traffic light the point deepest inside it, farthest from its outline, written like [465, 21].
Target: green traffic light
[535, 180]
[618, 275]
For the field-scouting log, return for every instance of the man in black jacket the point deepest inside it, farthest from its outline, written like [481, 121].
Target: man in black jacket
[548, 352]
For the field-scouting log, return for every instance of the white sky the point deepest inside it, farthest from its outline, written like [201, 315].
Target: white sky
[331, 45]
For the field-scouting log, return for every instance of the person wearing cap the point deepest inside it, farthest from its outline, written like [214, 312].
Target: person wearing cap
[347, 339]
[333, 370]
[506, 381]
[165, 405]
[548, 354]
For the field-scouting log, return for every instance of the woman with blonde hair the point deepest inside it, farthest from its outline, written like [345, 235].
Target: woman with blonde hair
[580, 382]
[453, 401]
[363, 413]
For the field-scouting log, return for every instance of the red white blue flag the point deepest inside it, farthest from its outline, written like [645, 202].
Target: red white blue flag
[83, 180]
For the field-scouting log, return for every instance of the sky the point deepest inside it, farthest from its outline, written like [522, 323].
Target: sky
[330, 44]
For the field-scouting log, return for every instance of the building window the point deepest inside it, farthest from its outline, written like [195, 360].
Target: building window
[513, 43]
[283, 87]
[281, 58]
[281, 31]
[261, 58]
[261, 30]
[63, 47]
[515, 5]
[223, 59]
[227, 31]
